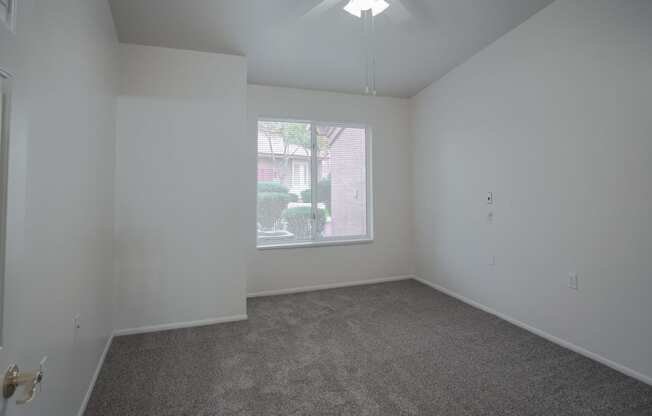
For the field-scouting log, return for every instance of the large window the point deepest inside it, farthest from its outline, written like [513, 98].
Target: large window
[313, 183]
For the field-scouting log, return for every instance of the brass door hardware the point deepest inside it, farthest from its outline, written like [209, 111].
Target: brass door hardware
[31, 382]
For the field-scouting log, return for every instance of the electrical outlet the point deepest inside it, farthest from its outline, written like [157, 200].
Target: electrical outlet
[573, 281]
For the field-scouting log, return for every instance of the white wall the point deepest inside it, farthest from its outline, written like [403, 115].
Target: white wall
[554, 118]
[60, 221]
[391, 252]
[183, 202]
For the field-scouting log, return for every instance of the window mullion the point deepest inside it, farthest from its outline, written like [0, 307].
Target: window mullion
[313, 180]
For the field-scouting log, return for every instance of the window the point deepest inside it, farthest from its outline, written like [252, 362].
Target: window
[313, 183]
[7, 12]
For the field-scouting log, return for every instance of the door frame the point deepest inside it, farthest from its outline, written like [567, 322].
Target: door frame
[6, 79]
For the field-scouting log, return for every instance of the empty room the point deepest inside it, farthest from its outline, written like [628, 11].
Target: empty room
[326, 207]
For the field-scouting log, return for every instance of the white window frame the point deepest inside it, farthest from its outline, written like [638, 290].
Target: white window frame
[316, 240]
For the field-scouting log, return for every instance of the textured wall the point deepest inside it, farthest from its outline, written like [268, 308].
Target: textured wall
[554, 119]
[391, 252]
[182, 215]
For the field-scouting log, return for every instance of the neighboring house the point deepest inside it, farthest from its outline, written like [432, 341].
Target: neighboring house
[288, 164]
[348, 181]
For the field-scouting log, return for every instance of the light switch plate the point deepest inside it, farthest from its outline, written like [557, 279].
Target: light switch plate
[573, 281]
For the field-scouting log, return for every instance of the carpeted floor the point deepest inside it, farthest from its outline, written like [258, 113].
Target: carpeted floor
[388, 349]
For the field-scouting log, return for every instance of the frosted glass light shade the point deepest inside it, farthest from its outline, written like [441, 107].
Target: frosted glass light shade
[356, 7]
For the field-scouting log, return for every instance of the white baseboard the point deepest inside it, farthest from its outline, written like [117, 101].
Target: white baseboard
[561, 342]
[328, 286]
[178, 325]
[96, 374]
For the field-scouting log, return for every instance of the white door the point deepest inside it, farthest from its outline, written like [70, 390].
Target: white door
[17, 344]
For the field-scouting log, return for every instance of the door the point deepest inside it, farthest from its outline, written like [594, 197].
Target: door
[14, 338]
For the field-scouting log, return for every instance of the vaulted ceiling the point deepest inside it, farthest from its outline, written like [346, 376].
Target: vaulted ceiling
[325, 52]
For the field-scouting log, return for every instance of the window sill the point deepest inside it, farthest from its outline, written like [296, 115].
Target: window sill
[316, 244]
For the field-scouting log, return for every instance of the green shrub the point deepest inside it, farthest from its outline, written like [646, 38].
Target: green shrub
[273, 198]
[299, 221]
[270, 207]
[272, 187]
[306, 196]
[323, 193]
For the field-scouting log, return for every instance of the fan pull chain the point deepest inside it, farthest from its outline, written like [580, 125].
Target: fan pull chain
[370, 53]
[372, 46]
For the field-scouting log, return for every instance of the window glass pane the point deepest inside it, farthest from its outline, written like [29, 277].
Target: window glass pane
[284, 207]
[342, 185]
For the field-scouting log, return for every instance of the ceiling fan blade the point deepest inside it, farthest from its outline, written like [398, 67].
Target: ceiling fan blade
[320, 9]
[398, 12]
[416, 10]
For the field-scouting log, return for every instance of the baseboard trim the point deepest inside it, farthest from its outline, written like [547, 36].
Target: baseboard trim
[559, 341]
[96, 374]
[179, 325]
[328, 286]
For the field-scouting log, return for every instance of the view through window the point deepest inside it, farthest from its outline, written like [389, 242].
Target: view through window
[312, 183]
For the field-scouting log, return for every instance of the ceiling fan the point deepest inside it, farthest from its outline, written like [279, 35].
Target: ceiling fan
[398, 11]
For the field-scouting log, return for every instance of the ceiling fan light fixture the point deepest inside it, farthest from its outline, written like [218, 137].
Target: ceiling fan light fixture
[356, 7]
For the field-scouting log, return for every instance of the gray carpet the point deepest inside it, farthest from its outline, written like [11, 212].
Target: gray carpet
[388, 349]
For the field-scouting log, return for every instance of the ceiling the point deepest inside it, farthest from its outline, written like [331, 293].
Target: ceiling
[325, 53]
